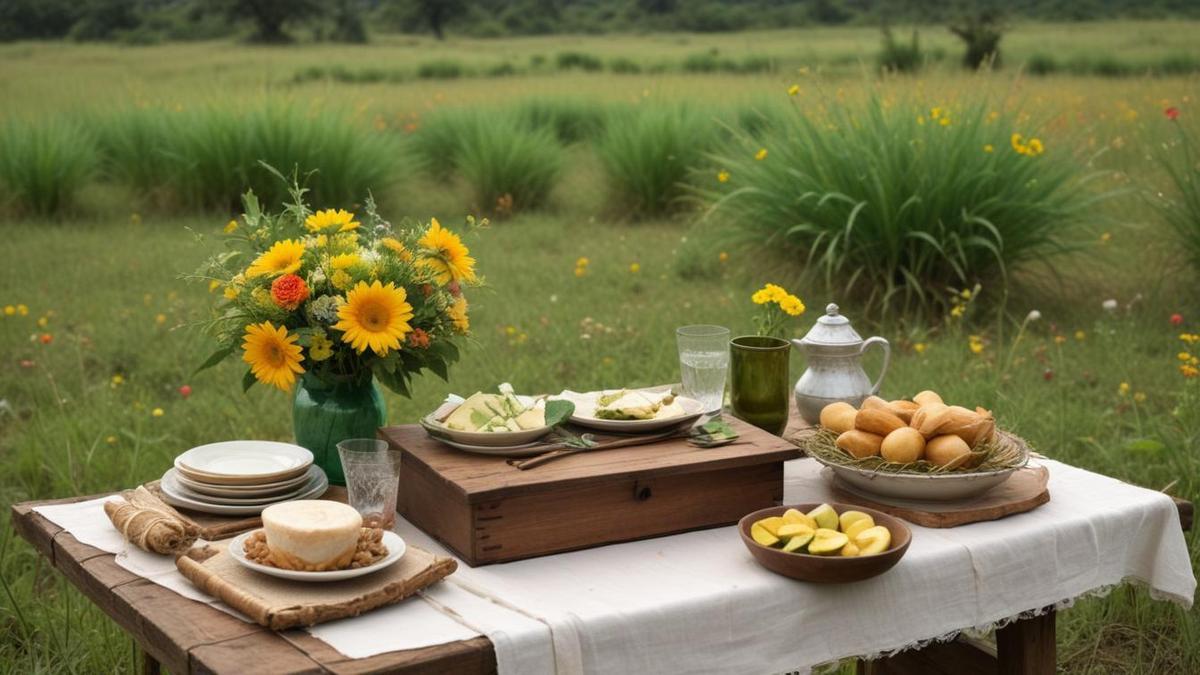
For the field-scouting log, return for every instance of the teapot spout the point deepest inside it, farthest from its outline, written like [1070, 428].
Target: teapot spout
[798, 344]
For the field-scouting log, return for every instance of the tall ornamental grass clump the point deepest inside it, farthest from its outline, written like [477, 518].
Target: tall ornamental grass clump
[509, 167]
[1181, 162]
[207, 157]
[895, 203]
[434, 146]
[647, 152]
[571, 119]
[44, 165]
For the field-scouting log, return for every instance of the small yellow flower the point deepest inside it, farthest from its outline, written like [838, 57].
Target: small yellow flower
[1123, 389]
[723, 256]
[1189, 371]
[965, 294]
[1035, 147]
[760, 155]
[634, 268]
[957, 311]
[111, 440]
[989, 148]
[582, 262]
[761, 297]
[722, 176]
[344, 261]
[792, 305]
[43, 321]
[1184, 356]
[1106, 237]
[231, 292]
[1018, 143]
[231, 227]
[1080, 335]
[793, 90]
[397, 247]
[975, 343]
[157, 412]
[321, 348]
[160, 319]
[341, 280]
[9, 310]
[135, 218]
[580, 271]
[935, 113]
[1140, 397]
[945, 121]
[213, 285]
[510, 330]
[116, 380]
[336, 220]
[1060, 339]
[920, 347]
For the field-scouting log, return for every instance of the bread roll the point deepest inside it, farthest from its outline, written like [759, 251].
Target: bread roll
[877, 421]
[903, 445]
[860, 444]
[943, 450]
[838, 417]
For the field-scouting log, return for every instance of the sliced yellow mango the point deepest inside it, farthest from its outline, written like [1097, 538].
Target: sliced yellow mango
[794, 516]
[760, 534]
[873, 540]
[848, 518]
[771, 524]
[793, 529]
[856, 528]
[850, 550]
[825, 516]
[797, 542]
[827, 542]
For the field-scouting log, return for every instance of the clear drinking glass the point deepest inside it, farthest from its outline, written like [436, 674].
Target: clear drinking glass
[372, 479]
[703, 363]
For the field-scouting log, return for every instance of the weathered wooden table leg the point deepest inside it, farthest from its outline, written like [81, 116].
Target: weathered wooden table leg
[150, 665]
[1027, 647]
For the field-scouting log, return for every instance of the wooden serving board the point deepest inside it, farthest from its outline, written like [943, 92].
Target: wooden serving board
[1024, 491]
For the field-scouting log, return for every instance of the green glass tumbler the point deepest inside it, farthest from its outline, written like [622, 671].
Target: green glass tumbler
[326, 413]
[760, 382]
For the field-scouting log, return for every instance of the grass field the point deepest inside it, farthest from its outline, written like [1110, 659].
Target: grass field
[99, 340]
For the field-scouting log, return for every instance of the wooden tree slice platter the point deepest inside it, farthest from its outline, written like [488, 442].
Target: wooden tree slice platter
[1024, 491]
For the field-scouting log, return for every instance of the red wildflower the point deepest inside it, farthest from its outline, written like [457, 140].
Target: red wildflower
[288, 291]
[418, 339]
[1176, 319]
[1048, 374]
[46, 338]
[185, 391]
[1172, 113]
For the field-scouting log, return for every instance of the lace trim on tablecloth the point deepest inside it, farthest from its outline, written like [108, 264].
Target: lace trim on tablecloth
[1098, 592]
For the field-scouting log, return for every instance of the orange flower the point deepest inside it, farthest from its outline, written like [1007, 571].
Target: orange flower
[418, 339]
[288, 291]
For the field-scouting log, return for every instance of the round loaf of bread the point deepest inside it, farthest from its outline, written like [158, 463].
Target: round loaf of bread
[312, 535]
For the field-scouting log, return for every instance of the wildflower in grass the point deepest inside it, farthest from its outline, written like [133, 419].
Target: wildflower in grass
[116, 380]
[1106, 237]
[1184, 356]
[111, 440]
[945, 121]
[135, 218]
[1033, 315]
[723, 257]
[230, 227]
[920, 347]
[282, 258]
[185, 390]
[331, 220]
[1048, 374]
[793, 90]
[1080, 335]
[320, 348]
[634, 268]
[445, 254]
[1189, 371]
[418, 339]
[10, 310]
[989, 148]
[792, 305]
[1189, 338]
[1176, 319]
[289, 291]
[1035, 147]
[1123, 389]
[22, 310]
[213, 285]
[160, 319]
[957, 311]
[375, 316]
[580, 271]
[1018, 143]
[1172, 113]
[1060, 339]
[43, 321]
[1109, 305]
[157, 412]
[1139, 397]
[458, 315]
[272, 354]
[975, 344]
[582, 262]
[778, 305]
[760, 155]
[722, 176]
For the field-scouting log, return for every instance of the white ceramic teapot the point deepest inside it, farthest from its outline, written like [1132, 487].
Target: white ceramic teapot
[833, 356]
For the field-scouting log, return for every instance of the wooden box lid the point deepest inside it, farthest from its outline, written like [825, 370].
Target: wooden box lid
[482, 478]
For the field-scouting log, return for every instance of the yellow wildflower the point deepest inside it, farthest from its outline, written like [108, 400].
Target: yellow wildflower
[282, 258]
[341, 280]
[634, 268]
[446, 255]
[43, 321]
[1018, 143]
[157, 412]
[458, 315]
[582, 262]
[338, 220]
[919, 347]
[792, 305]
[1123, 389]
[344, 261]
[1106, 237]
[1060, 339]
[111, 440]
[1189, 371]
[723, 256]
[1080, 335]
[22, 310]
[722, 176]
[160, 319]
[580, 271]
[397, 247]
[9, 310]
[116, 380]
[935, 113]
[957, 311]
[1184, 356]
[945, 121]
[321, 347]
[231, 227]
[1140, 397]
[793, 90]
[1035, 147]
[989, 148]
[760, 155]
[975, 343]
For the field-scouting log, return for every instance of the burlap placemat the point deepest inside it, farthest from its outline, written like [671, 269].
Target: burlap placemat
[213, 527]
[280, 604]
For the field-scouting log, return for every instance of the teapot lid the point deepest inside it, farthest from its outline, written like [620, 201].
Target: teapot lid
[832, 330]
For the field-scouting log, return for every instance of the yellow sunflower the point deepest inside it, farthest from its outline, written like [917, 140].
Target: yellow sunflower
[273, 355]
[458, 315]
[446, 255]
[338, 220]
[341, 262]
[282, 258]
[396, 246]
[375, 316]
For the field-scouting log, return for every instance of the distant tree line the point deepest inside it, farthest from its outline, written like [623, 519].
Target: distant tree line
[279, 21]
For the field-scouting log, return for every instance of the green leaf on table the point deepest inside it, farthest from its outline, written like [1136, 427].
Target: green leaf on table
[558, 412]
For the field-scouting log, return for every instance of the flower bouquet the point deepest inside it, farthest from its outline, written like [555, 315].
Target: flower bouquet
[337, 303]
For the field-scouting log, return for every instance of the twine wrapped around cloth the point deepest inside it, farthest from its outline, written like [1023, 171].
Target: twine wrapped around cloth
[149, 524]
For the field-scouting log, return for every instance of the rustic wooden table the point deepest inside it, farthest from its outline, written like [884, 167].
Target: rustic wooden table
[190, 637]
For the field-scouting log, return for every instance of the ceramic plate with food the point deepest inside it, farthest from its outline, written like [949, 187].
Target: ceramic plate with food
[501, 420]
[632, 410]
[391, 541]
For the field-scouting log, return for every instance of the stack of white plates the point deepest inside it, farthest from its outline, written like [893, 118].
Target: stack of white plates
[242, 477]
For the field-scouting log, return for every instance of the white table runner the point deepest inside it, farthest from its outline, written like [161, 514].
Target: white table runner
[697, 602]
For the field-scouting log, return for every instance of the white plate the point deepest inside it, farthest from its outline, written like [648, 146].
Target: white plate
[315, 488]
[244, 462]
[526, 450]
[585, 406]
[480, 439]
[247, 490]
[241, 500]
[392, 541]
[938, 487]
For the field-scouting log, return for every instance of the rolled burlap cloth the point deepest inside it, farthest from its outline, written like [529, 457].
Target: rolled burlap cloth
[149, 524]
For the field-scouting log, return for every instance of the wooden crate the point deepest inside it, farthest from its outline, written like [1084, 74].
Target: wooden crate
[487, 511]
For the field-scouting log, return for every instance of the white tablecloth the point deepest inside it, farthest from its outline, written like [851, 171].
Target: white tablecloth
[697, 602]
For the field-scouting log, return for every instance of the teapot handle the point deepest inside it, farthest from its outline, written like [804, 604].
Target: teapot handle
[887, 358]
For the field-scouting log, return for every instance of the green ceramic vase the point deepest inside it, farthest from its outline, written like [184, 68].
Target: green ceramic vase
[759, 381]
[326, 413]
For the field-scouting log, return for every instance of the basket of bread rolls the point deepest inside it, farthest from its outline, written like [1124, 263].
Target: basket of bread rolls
[922, 449]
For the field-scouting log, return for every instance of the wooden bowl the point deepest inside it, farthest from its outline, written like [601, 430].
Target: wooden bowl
[823, 569]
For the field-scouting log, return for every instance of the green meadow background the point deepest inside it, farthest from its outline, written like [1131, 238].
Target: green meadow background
[116, 181]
